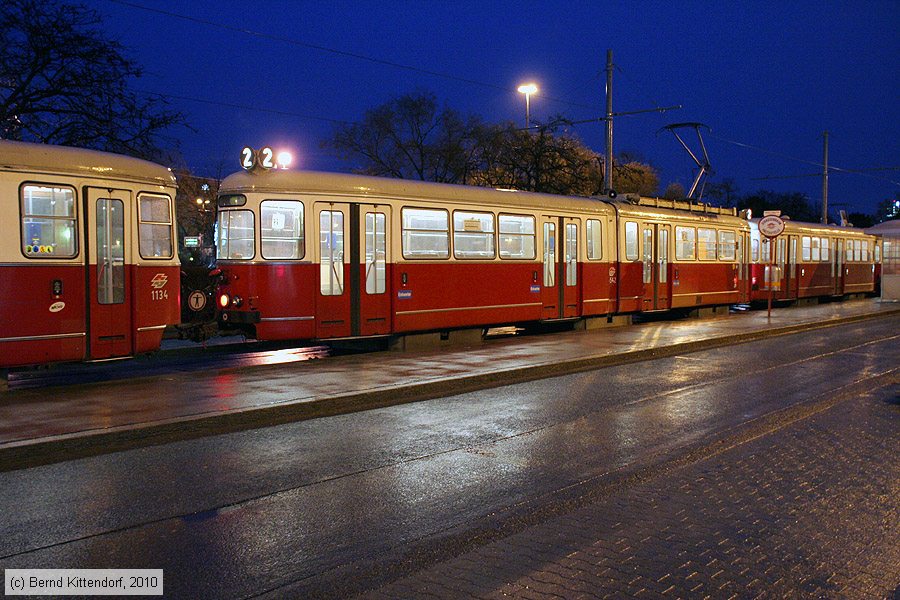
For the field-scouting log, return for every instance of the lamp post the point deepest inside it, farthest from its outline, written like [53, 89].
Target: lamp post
[528, 89]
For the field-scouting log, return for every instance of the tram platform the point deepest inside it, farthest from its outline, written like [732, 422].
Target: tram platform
[52, 424]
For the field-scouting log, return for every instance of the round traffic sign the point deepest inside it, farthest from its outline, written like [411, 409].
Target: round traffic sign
[771, 226]
[197, 301]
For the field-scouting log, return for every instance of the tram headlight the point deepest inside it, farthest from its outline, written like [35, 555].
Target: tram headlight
[224, 300]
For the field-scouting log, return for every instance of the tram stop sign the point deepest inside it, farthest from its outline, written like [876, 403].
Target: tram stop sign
[771, 226]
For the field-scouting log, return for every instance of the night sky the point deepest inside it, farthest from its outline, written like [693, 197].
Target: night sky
[770, 75]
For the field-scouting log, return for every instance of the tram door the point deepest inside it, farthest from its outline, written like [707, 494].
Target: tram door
[743, 268]
[837, 267]
[354, 297]
[655, 259]
[560, 292]
[109, 278]
[793, 282]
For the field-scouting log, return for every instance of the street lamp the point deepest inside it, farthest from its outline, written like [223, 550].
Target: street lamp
[528, 89]
[202, 205]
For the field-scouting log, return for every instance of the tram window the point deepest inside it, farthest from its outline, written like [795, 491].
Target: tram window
[648, 255]
[517, 238]
[631, 240]
[594, 240]
[155, 230]
[685, 248]
[826, 250]
[755, 250]
[848, 250]
[331, 252]
[865, 251]
[549, 254]
[376, 252]
[857, 250]
[706, 244]
[877, 254]
[816, 251]
[110, 234]
[571, 247]
[49, 224]
[727, 244]
[281, 229]
[426, 233]
[473, 235]
[805, 253]
[237, 236]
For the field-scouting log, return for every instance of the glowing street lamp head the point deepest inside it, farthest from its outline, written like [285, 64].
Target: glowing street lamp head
[528, 89]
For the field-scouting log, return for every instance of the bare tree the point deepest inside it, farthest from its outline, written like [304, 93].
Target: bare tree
[62, 81]
[410, 138]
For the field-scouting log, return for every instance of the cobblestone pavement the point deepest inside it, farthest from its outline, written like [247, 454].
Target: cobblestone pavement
[808, 511]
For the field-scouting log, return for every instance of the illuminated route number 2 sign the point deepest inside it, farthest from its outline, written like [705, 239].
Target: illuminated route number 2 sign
[263, 158]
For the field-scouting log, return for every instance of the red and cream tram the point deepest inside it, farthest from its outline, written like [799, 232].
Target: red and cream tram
[316, 256]
[813, 260]
[88, 268]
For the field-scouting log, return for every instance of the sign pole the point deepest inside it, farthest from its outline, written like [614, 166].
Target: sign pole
[771, 226]
[771, 275]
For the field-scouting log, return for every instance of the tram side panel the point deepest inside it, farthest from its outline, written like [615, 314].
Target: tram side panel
[40, 325]
[454, 294]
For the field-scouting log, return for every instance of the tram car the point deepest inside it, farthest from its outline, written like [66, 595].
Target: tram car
[811, 260]
[307, 255]
[88, 264]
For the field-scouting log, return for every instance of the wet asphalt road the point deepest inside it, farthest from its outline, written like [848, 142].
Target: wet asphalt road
[332, 506]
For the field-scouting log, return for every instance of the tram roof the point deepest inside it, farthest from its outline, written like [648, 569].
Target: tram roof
[66, 160]
[364, 186]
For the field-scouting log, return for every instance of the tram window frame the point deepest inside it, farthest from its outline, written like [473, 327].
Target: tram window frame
[409, 234]
[805, 248]
[754, 250]
[26, 218]
[631, 240]
[521, 233]
[685, 237]
[815, 249]
[147, 225]
[299, 240]
[221, 230]
[727, 247]
[826, 250]
[593, 236]
[706, 244]
[463, 237]
[857, 250]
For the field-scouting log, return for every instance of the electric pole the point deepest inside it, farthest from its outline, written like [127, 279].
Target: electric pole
[608, 165]
[825, 183]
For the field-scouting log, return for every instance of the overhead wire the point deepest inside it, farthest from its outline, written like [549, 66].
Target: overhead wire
[336, 51]
[863, 172]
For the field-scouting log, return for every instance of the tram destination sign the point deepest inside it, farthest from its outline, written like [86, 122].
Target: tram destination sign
[771, 226]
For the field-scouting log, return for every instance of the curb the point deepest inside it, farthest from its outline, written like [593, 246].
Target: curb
[42, 451]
